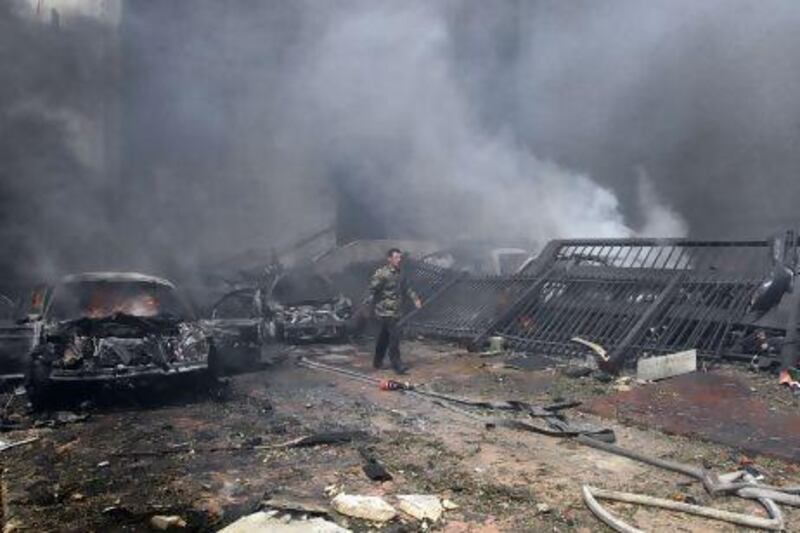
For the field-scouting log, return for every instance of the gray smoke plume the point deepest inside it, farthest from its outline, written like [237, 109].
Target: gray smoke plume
[242, 125]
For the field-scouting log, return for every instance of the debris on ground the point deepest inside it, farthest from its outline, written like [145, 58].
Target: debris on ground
[591, 494]
[449, 505]
[8, 445]
[576, 371]
[372, 508]
[264, 521]
[319, 439]
[373, 468]
[666, 366]
[163, 523]
[791, 378]
[465, 442]
[421, 506]
[622, 384]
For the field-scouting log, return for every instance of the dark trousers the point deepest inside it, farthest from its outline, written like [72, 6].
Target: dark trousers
[388, 341]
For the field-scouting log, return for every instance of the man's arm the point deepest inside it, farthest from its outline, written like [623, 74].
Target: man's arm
[413, 296]
[375, 283]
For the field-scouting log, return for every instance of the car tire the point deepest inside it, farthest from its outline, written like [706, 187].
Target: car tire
[215, 366]
[38, 386]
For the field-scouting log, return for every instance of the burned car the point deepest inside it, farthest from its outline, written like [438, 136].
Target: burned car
[305, 308]
[239, 329]
[107, 327]
[297, 306]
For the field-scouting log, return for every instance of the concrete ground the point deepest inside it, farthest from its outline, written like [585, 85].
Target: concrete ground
[207, 457]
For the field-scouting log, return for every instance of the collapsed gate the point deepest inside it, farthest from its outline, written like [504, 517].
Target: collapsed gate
[630, 296]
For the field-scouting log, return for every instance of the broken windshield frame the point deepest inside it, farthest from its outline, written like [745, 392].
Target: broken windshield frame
[105, 299]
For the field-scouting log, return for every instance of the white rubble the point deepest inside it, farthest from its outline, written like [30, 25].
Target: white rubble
[163, 523]
[666, 366]
[370, 508]
[263, 522]
[421, 506]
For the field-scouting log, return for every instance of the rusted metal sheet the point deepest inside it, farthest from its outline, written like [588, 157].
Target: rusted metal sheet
[710, 406]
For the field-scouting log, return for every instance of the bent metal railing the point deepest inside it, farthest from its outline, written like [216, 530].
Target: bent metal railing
[631, 296]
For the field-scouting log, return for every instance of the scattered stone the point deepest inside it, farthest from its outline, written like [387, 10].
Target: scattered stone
[373, 468]
[449, 505]
[421, 506]
[366, 507]
[163, 523]
[543, 508]
[103, 464]
[666, 366]
[260, 522]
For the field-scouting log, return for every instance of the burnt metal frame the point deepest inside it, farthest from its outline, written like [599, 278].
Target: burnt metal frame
[683, 268]
[686, 274]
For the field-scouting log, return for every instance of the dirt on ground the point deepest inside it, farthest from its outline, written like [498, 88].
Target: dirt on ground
[213, 457]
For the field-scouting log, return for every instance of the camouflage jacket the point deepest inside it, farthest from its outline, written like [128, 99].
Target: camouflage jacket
[387, 288]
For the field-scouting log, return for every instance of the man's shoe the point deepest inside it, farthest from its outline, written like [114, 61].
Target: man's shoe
[376, 365]
[401, 369]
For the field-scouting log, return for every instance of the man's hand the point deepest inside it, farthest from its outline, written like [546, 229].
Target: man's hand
[418, 303]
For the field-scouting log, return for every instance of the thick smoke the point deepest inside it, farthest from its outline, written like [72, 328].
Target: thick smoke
[379, 77]
[52, 197]
[227, 126]
[703, 96]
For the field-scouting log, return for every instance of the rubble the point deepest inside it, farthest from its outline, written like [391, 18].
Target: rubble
[666, 366]
[372, 508]
[373, 468]
[163, 523]
[421, 506]
[8, 445]
[449, 505]
[297, 504]
[264, 521]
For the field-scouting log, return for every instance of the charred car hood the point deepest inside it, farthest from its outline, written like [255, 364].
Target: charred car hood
[126, 326]
[126, 343]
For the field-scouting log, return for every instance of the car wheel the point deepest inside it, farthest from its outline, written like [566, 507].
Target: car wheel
[214, 363]
[38, 385]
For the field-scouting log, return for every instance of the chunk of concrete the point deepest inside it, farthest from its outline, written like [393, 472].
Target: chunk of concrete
[449, 505]
[421, 506]
[163, 523]
[370, 508]
[263, 521]
[666, 366]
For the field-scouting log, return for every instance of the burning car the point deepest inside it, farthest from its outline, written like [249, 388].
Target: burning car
[114, 327]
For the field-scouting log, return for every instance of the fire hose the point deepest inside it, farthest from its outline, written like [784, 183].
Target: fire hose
[558, 427]
[714, 484]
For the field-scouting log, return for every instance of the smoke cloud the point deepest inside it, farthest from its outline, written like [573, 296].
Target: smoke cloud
[189, 132]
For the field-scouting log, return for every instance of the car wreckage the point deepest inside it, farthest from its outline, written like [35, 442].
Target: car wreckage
[298, 306]
[112, 327]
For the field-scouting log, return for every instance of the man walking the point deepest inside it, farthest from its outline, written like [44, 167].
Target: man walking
[387, 288]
